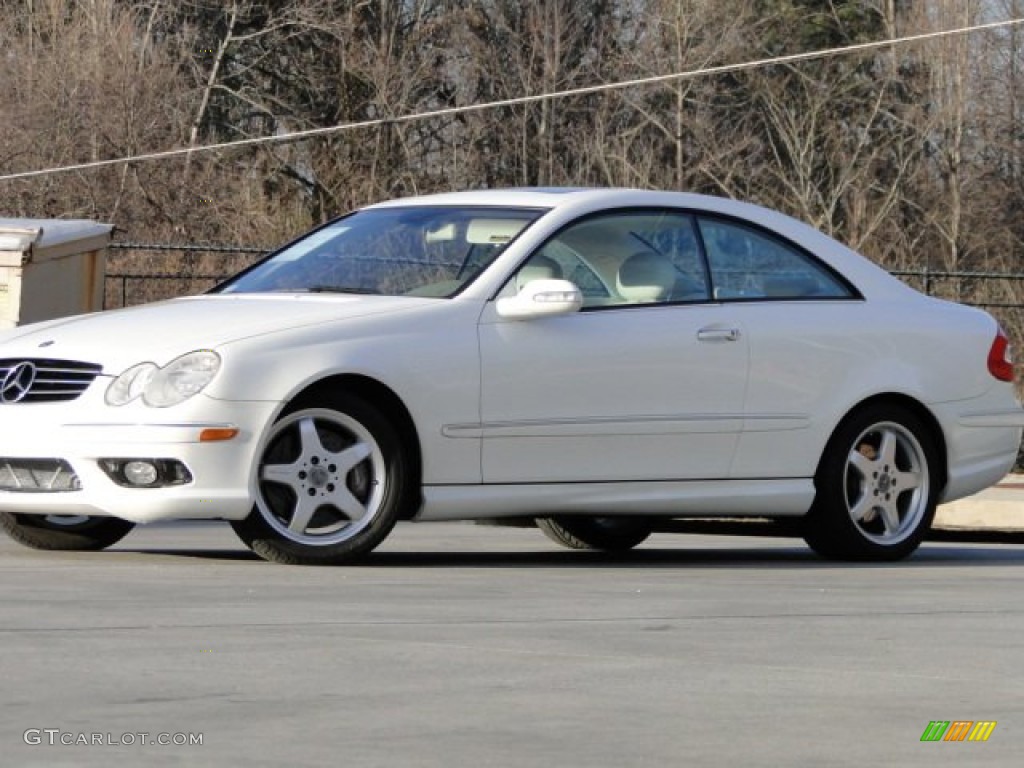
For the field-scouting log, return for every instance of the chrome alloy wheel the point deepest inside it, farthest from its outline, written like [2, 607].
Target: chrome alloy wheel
[886, 483]
[321, 477]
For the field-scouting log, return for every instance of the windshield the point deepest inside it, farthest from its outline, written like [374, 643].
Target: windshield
[410, 251]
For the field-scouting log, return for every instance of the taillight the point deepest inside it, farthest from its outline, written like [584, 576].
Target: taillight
[1000, 358]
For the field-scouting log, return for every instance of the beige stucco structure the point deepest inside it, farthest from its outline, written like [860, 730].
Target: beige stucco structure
[50, 268]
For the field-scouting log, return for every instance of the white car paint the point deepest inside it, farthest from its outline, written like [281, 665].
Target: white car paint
[708, 408]
[626, 420]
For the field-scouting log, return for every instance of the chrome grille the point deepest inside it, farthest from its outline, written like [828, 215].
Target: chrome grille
[54, 380]
[37, 476]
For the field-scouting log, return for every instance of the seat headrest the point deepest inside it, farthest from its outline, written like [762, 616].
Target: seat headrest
[645, 277]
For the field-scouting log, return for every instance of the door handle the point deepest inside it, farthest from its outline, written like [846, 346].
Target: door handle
[718, 334]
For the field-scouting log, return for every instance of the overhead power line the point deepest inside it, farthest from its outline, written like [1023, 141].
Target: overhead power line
[581, 91]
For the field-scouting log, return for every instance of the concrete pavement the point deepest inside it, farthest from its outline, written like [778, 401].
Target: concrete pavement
[461, 645]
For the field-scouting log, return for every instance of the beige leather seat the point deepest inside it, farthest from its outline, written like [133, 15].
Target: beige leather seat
[646, 278]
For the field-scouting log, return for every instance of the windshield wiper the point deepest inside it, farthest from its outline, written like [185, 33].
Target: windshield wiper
[339, 289]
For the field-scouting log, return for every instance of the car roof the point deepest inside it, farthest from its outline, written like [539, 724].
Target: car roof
[556, 197]
[518, 197]
[582, 199]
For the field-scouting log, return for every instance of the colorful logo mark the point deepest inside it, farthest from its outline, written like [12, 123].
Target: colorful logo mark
[958, 730]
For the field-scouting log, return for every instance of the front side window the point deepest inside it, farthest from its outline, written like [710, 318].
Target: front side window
[748, 264]
[623, 259]
[403, 251]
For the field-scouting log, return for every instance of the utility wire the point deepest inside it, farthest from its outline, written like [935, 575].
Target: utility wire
[582, 91]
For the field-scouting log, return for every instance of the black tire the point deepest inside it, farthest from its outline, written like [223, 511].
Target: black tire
[609, 534]
[56, 532]
[313, 453]
[877, 486]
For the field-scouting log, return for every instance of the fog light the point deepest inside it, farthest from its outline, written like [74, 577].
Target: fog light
[146, 473]
[140, 473]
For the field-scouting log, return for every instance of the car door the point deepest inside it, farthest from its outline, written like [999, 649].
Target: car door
[798, 314]
[646, 382]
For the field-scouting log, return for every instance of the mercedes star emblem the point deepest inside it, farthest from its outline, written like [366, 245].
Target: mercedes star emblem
[17, 383]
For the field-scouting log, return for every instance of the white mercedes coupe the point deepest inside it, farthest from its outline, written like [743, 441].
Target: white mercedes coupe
[593, 359]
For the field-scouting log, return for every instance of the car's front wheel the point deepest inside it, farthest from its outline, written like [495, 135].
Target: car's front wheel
[64, 532]
[332, 481]
[610, 534]
[876, 487]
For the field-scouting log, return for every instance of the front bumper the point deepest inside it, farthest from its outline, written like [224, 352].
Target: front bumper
[222, 472]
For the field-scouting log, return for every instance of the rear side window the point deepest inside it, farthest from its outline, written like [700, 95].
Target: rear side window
[748, 264]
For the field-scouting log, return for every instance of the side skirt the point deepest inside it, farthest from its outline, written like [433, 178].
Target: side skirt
[692, 498]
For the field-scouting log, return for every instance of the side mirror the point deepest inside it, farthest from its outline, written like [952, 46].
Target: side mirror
[541, 298]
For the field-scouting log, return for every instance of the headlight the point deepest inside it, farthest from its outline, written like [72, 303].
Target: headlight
[180, 379]
[162, 387]
[130, 384]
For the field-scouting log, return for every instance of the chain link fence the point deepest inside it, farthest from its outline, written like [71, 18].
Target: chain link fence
[139, 273]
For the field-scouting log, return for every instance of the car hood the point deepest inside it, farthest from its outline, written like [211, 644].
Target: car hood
[159, 332]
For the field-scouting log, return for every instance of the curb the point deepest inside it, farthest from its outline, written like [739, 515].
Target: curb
[999, 508]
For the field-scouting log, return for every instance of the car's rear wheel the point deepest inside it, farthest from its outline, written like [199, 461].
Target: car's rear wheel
[64, 532]
[332, 481]
[876, 487]
[610, 534]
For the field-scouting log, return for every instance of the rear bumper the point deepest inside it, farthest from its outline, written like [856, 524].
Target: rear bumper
[981, 445]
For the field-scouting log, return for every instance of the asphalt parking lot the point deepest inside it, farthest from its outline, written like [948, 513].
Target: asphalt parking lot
[461, 645]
